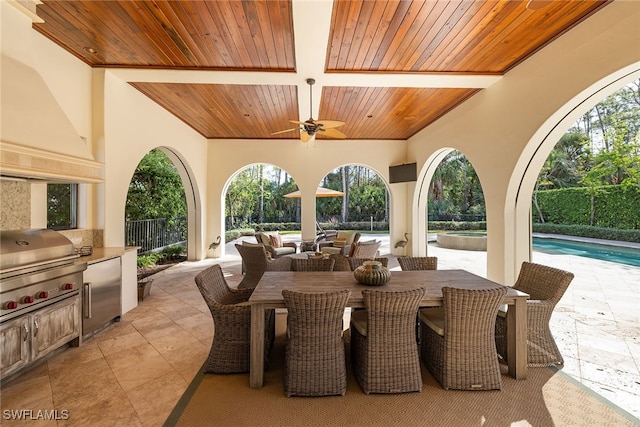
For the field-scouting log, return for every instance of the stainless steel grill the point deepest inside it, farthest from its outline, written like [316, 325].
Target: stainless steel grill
[40, 285]
[37, 268]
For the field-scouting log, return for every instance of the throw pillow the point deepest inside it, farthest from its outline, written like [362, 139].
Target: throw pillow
[275, 240]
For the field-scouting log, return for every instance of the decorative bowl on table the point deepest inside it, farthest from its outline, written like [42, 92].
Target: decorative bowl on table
[372, 273]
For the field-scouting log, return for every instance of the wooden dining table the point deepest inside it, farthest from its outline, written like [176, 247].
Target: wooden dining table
[268, 295]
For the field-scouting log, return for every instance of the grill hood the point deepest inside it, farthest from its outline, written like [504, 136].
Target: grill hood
[37, 139]
[23, 247]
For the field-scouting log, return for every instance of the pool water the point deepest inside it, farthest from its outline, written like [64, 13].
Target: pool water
[619, 254]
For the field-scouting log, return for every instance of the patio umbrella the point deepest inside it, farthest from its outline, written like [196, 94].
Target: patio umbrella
[320, 192]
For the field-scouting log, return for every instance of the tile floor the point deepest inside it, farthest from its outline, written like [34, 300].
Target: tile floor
[133, 372]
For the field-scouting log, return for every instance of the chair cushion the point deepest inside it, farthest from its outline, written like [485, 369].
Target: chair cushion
[433, 318]
[263, 238]
[285, 250]
[349, 236]
[359, 321]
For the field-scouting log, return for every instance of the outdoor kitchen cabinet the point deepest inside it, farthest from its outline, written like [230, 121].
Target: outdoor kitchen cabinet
[14, 336]
[54, 326]
[28, 338]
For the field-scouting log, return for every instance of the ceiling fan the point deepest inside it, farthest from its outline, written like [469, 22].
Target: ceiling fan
[310, 128]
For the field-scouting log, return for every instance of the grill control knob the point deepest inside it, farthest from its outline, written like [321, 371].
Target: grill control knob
[67, 286]
[42, 295]
[10, 305]
[27, 300]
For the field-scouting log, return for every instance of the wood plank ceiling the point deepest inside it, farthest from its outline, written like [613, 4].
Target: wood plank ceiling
[386, 68]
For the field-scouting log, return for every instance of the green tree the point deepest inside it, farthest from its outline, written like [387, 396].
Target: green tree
[619, 165]
[61, 206]
[365, 195]
[155, 190]
[256, 194]
[455, 189]
[566, 163]
[241, 200]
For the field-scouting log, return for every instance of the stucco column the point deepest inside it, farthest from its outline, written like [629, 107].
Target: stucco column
[308, 211]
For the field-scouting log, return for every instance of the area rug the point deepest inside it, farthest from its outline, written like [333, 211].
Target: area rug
[547, 398]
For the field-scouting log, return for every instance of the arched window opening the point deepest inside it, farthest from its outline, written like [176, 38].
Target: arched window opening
[254, 198]
[456, 215]
[364, 204]
[156, 207]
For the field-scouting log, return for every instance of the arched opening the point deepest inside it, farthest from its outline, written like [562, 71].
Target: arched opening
[255, 195]
[182, 224]
[592, 320]
[525, 174]
[454, 212]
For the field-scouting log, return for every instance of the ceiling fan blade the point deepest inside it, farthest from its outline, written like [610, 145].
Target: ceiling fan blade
[328, 124]
[297, 122]
[284, 131]
[305, 137]
[332, 133]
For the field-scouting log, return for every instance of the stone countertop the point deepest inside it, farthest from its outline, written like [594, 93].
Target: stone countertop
[103, 254]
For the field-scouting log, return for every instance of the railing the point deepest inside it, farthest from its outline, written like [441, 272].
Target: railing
[151, 234]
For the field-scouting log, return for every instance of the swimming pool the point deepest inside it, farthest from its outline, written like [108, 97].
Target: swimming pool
[619, 254]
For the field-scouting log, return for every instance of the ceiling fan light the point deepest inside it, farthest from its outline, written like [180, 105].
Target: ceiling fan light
[309, 128]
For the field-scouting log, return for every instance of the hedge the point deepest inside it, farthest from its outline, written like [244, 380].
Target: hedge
[615, 207]
[377, 226]
[354, 225]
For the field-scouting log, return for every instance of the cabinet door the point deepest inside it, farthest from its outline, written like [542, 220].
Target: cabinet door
[14, 345]
[54, 326]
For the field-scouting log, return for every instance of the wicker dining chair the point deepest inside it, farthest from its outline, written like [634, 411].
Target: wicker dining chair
[357, 262]
[457, 341]
[418, 263]
[315, 356]
[312, 264]
[255, 262]
[545, 286]
[230, 350]
[341, 262]
[384, 351]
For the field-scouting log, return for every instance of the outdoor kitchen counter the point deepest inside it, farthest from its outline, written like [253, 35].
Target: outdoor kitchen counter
[102, 254]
